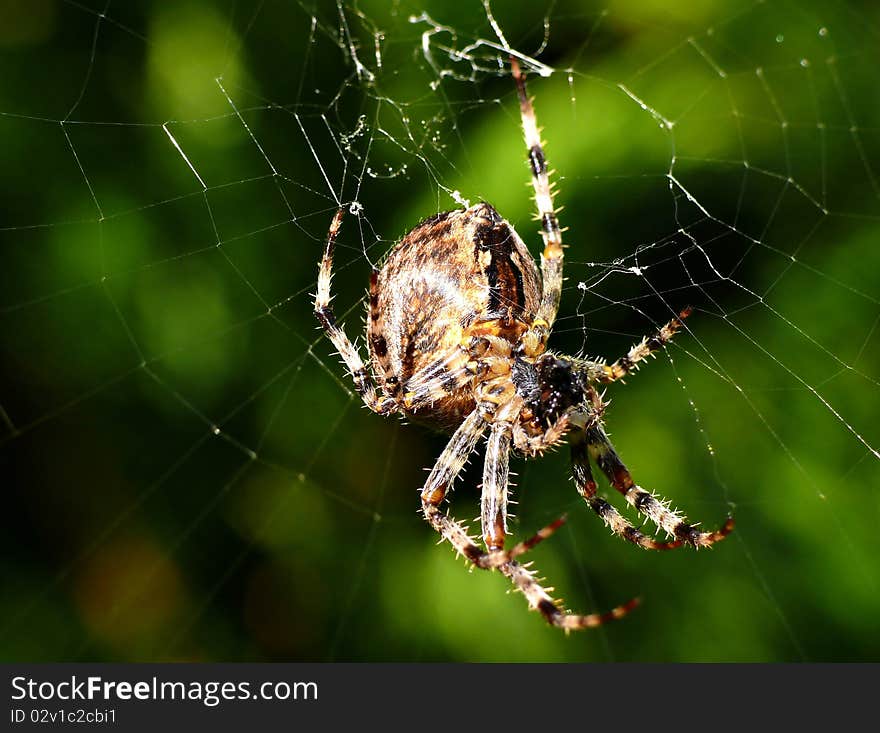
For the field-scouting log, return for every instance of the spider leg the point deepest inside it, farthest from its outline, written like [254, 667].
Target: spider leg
[363, 382]
[551, 258]
[657, 510]
[586, 487]
[535, 445]
[538, 598]
[496, 475]
[474, 356]
[438, 379]
[448, 466]
[452, 460]
[639, 352]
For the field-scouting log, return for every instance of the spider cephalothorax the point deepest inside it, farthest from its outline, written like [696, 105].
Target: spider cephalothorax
[457, 329]
[559, 387]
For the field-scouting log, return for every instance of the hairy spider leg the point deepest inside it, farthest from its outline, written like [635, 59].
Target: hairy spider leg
[538, 598]
[535, 445]
[586, 486]
[496, 478]
[551, 257]
[493, 498]
[441, 377]
[363, 382]
[439, 482]
[630, 362]
[657, 510]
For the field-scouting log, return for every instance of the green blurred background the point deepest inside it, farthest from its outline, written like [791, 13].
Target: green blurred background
[186, 474]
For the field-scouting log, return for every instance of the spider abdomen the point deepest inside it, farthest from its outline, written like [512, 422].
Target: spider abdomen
[451, 275]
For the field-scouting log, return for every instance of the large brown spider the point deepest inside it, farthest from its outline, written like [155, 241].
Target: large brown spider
[457, 330]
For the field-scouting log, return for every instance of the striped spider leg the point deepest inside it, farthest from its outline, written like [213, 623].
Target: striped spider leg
[447, 468]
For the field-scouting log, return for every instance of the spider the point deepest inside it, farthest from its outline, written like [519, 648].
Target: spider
[457, 327]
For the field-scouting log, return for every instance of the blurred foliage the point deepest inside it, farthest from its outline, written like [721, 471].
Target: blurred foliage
[186, 472]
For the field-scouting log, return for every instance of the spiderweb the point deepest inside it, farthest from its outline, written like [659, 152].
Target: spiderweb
[188, 473]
